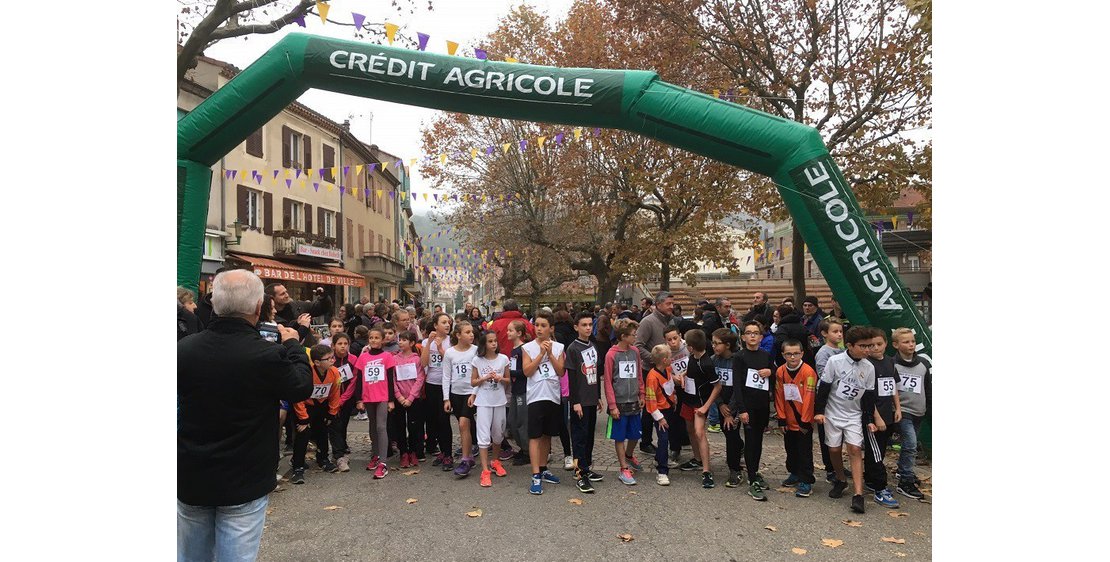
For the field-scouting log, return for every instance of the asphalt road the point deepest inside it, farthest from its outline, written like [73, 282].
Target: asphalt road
[679, 522]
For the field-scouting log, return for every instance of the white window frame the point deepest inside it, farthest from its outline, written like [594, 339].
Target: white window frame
[296, 148]
[296, 215]
[328, 226]
[254, 208]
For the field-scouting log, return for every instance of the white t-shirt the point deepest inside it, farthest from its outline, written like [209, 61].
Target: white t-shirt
[491, 393]
[544, 383]
[434, 371]
[849, 379]
[456, 371]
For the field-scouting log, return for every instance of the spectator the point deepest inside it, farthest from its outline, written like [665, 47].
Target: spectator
[684, 324]
[501, 326]
[812, 315]
[290, 312]
[564, 329]
[760, 311]
[717, 317]
[351, 319]
[649, 334]
[229, 383]
[187, 322]
[790, 328]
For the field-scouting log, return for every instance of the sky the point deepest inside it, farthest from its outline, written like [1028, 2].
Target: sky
[395, 128]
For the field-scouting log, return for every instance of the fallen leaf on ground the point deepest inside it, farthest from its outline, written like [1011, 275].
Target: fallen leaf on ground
[575, 501]
[798, 550]
[900, 554]
[411, 500]
[920, 534]
[894, 540]
[832, 543]
[332, 508]
[411, 472]
[784, 490]
[851, 523]
[771, 528]
[625, 537]
[269, 511]
[475, 513]
[898, 514]
[632, 493]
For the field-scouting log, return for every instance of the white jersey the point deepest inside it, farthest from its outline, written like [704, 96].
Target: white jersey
[491, 393]
[544, 383]
[456, 371]
[434, 370]
[849, 379]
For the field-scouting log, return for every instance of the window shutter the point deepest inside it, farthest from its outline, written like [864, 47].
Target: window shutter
[267, 213]
[307, 151]
[338, 228]
[308, 218]
[361, 248]
[254, 143]
[350, 241]
[286, 213]
[241, 203]
[387, 206]
[320, 220]
[329, 162]
[389, 247]
[285, 158]
[371, 241]
[381, 249]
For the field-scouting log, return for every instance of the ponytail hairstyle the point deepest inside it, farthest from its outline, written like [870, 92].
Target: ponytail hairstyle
[459, 327]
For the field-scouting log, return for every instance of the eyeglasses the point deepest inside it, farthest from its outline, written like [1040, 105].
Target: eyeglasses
[752, 334]
[793, 354]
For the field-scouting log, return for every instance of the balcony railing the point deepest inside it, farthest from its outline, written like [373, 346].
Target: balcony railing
[382, 266]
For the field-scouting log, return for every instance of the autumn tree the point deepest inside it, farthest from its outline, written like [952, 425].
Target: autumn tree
[203, 23]
[856, 70]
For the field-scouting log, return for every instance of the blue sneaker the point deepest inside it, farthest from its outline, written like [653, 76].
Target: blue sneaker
[536, 487]
[548, 477]
[803, 490]
[464, 468]
[790, 481]
[886, 499]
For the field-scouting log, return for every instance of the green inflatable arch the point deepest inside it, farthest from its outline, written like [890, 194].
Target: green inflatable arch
[794, 155]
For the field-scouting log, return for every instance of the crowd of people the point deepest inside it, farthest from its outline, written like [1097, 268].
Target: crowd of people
[509, 384]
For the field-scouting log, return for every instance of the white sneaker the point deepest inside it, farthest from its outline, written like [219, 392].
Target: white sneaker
[568, 463]
[662, 480]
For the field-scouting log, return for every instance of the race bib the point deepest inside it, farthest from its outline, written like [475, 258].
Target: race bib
[886, 386]
[546, 371]
[911, 383]
[491, 384]
[512, 363]
[847, 390]
[690, 386]
[320, 391]
[678, 366]
[790, 392]
[406, 372]
[668, 387]
[345, 373]
[589, 356]
[590, 371]
[756, 381]
[626, 369]
[725, 374]
[435, 360]
[375, 372]
[462, 371]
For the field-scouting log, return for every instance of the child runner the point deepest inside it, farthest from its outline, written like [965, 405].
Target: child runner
[377, 368]
[751, 402]
[460, 394]
[316, 413]
[728, 368]
[436, 419]
[490, 375]
[585, 400]
[680, 357]
[832, 331]
[624, 394]
[888, 413]
[518, 403]
[701, 386]
[351, 394]
[390, 344]
[845, 403]
[543, 361]
[334, 327]
[795, 393]
[408, 384]
[916, 398]
[660, 400]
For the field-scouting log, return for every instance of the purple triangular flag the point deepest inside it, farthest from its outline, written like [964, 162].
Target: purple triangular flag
[422, 40]
[322, 171]
[316, 186]
[523, 145]
[559, 138]
[489, 150]
[456, 197]
[254, 173]
[346, 170]
[288, 183]
[342, 190]
[399, 164]
[233, 172]
[479, 54]
[258, 179]
[367, 190]
[298, 173]
[299, 20]
[227, 174]
[373, 167]
[392, 194]
[909, 217]
[597, 132]
[436, 197]
[359, 19]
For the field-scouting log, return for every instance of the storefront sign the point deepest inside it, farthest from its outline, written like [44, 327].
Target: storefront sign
[318, 252]
[308, 277]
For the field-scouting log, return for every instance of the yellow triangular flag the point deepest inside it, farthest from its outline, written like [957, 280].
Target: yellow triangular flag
[473, 153]
[425, 196]
[334, 171]
[323, 8]
[330, 187]
[384, 164]
[541, 141]
[379, 192]
[288, 172]
[412, 162]
[452, 47]
[577, 133]
[442, 158]
[358, 170]
[391, 31]
[501, 197]
[510, 59]
[716, 93]
[505, 147]
[894, 221]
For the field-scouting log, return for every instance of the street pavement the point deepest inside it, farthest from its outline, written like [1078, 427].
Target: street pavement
[374, 519]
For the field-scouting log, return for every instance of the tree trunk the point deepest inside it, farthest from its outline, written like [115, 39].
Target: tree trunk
[606, 288]
[665, 269]
[797, 267]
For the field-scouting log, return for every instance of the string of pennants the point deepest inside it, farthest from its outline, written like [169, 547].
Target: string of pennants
[762, 256]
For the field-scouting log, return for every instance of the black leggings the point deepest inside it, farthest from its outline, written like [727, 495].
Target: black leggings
[753, 431]
[337, 431]
[734, 446]
[409, 423]
[438, 422]
[317, 431]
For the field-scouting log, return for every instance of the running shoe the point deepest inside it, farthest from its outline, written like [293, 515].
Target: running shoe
[537, 485]
[568, 463]
[463, 469]
[755, 490]
[404, 460]
[626, 477]
[830, 477]
[803, 490]
[857, 504]
[329, 466]
[448, 464]
[484, 480]
[381, 471]
[672, 463]
[707, 480]
[647, 448]
[438, 460]
[662, 480]
[634, 463]
[584, 485]
[759, 479]
[344, 464]
[548, 477]
[505, 454]
[421, 456]
[593, 476]
[690, 465]
[298, 476]
[790, 481]
[886, 499]
[909, 489]
[498, 469]
[838, 488]
[715, 428]
[733, 479]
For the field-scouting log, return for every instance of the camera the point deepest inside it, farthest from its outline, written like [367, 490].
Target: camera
[269, 331]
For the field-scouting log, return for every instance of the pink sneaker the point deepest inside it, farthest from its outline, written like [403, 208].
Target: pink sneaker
[404, 460]
[381, 471]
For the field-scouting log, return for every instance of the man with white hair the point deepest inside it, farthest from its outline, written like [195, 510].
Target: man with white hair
[229, 383]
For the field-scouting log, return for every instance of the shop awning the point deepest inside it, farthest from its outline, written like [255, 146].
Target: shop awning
[271, 268]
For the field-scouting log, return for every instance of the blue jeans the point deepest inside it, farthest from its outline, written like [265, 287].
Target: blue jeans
[908, 429]
[225, 533]
[714, 415]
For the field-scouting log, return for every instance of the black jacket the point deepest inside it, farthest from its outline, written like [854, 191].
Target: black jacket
[187, 323]
[565, 334]
[322, 306]
[791, 328]
[204, 310]
[229, 381]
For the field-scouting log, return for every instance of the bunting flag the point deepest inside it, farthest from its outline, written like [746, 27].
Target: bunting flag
[288, 184]
[489, 150]
[358, 170]
[323, 8]
[442, 158]
[479, 54]
[298, 173]
[452, 47]
[894, 221]
[422, 40]
[346, 170]
[359, 20]
[510, 59]
[391, 31]
[523, 145]
[505, 147]
[373, 167]
[299, 20]
[276, 173]
[909, 217]
[541, 141]
[716, 93]
[559, 139]
[473, 153]
[577, 133]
